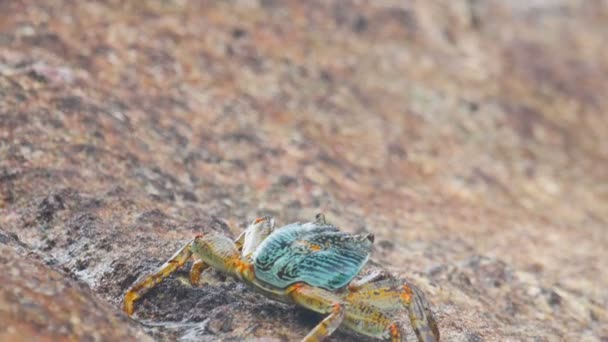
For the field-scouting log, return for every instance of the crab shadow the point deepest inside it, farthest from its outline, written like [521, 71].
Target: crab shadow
[224, 310]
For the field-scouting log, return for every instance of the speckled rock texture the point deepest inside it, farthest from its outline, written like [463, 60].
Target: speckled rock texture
[38, 303]
[471, 137]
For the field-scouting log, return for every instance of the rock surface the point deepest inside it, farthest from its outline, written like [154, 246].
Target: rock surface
[38, 303]
[470, 137]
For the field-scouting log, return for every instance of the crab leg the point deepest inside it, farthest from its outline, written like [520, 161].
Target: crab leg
[369, 320]
[195, 272]
[138, 289]
[178, 260]
[356, 285]
[321, 301]
[390, 297]
[421, 317]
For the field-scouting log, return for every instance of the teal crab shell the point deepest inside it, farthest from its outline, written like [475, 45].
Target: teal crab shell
[314, 253]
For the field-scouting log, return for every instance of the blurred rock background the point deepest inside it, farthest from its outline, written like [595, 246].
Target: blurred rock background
[471, 137]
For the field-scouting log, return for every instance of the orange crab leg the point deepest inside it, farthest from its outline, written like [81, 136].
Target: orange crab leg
[370, 320]
[178, 260]
[138, 289]
[421, 317]
[356, 285]
[321, 301]
[195, 272]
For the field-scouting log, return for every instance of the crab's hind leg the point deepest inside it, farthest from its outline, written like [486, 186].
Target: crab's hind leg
[138, 289]
[421, 316]
[369, 320]
[392, 296]
[321, 301]
[358, 284]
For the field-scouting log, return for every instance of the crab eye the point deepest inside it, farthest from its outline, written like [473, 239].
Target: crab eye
[261, 219]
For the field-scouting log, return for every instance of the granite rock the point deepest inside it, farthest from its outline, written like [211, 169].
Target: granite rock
[470, 137]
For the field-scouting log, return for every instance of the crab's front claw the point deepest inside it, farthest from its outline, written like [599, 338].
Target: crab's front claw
[255, 233]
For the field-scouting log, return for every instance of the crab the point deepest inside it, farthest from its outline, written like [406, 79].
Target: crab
[309, 264]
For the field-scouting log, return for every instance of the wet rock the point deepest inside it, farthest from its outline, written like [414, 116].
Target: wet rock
[48, 207]
[39, 303]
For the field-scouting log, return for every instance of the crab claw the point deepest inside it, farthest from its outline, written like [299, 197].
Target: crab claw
[257, 231]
